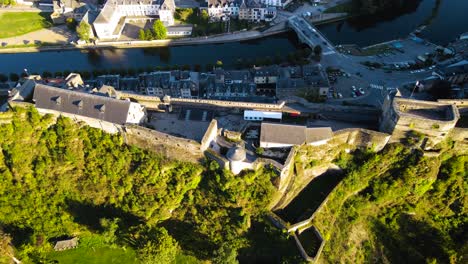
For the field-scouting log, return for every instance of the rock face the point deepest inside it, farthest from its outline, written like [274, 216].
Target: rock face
[306, 162]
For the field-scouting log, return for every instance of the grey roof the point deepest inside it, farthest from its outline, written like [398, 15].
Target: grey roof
[79, 103]
[66, 244]
[236, 153]
[23, 92]
[292, 134]
[179, 28]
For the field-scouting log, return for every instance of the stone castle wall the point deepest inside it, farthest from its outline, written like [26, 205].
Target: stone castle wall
[210, 135]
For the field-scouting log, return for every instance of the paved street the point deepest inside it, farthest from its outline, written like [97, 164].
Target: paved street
[310, 35]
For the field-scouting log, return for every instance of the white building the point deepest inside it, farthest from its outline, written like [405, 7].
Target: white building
[88, 107]
[251, 10]
[252, 115]
[238, 159]
[274, 135]
[115, 13]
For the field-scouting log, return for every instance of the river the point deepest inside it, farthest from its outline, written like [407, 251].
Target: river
[448, 21]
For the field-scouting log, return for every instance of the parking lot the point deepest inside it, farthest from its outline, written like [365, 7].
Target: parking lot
[344, 85]
[402, 52]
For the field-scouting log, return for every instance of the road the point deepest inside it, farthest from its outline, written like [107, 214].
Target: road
[310, 35]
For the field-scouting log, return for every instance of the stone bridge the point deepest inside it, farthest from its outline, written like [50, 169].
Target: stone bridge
[309, 35]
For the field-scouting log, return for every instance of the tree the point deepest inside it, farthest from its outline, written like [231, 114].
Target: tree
[6, 248]
[83, 30]
[3, 78]
[14, 77]
[149, 34]
[225, 255]
[159, 30]
[71, 23]
[141, 34]
[318, 50]
[440, 89]
[157, 246]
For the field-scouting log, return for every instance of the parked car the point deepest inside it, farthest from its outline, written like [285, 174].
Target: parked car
[340, 95]
[362, 91]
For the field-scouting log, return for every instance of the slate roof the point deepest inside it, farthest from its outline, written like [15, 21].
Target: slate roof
[236, 153]
[66, 244]
[79, 103]
[292, 134]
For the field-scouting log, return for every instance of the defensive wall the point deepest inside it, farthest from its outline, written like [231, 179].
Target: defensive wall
[171, 146]
[153, 102]
[210, 135]
[461, 104]
[362, 138]
[433, 119]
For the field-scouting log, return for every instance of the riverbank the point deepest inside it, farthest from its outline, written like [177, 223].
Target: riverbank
[219, 39]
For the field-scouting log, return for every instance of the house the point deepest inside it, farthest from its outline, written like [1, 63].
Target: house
[115, 13]
[275, 135]
[219, 9]
[295, 80]
[87, 107]
[66, 244]
[250, 10]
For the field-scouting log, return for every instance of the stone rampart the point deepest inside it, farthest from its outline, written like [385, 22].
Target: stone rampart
[362, 138]
[157, 137]
[210, 135]
[433, 119]
[461, 104]
[459, 134]
[231, 104]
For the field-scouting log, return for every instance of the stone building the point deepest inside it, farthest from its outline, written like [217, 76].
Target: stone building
[432, 119]
[237, 158]
[113, 16]
[88, 105]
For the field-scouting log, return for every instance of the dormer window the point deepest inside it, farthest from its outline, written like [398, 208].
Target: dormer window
[102, 108]
[57, 100]
[79, 104]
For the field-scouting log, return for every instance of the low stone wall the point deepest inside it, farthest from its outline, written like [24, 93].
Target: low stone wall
[223, 162]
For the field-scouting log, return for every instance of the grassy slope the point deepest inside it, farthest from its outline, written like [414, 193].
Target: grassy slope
[389, 209]
[19, 23]
[98, 255]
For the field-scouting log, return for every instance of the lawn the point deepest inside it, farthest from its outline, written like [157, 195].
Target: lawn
[19, 23]
[97, 256]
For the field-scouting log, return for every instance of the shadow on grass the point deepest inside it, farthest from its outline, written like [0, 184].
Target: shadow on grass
[89, 214]
[189, 239]
[19, 235]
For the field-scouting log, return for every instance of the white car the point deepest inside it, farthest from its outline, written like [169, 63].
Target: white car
[340, 95]
[353, 88]
[362, 91]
